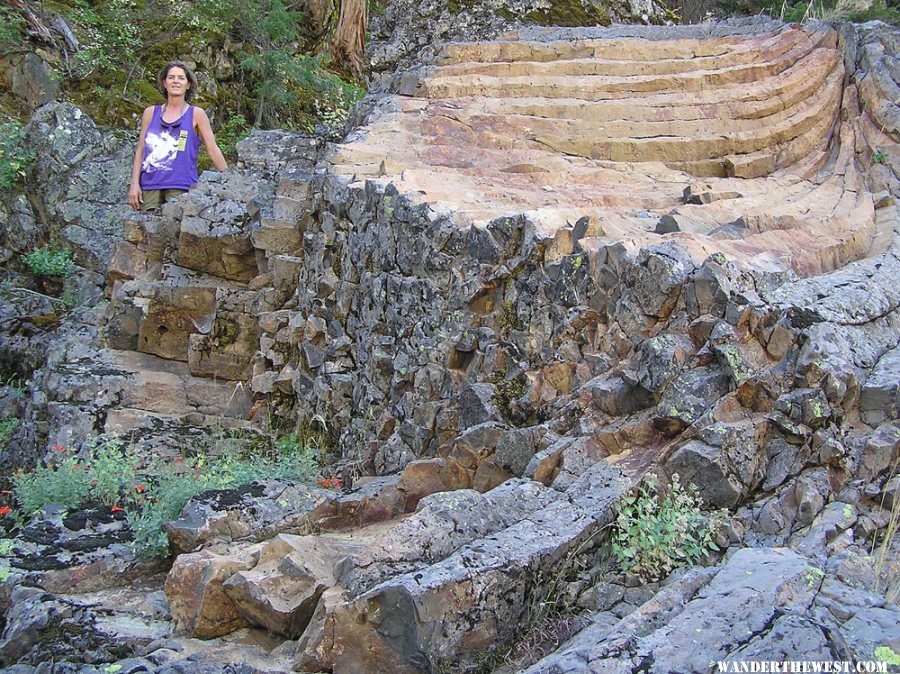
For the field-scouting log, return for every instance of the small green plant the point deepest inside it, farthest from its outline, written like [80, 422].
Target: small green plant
[15, 158]
[110, 474]
[332, 98]
[655, 535]
[170, 487]
[73, 298]
[105, 473]
[167, 493]
[333, 114]
[4, 571]
[50, 260]
[64, 482]
[879, 157]
[15, 385]
[7, 428]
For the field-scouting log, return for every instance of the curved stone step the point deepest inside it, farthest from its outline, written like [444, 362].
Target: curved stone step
[623, 63]
[598, 87]
[535, 44]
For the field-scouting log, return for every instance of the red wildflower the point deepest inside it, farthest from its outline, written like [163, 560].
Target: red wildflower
[140, 489]
[4, 510]
[59, 448]
[117, 509]
[179, 459]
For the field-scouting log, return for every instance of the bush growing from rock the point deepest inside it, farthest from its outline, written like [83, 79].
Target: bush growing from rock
[170, 487]
[50, 260]
[14, 157]
[105, 474]
[7, 428]
[653, 535]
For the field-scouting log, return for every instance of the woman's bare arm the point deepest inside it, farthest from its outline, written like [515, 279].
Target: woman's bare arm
[135, 197]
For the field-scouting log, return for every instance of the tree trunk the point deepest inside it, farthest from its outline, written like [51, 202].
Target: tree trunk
[260, 110]
[319, 13]
[349, 46]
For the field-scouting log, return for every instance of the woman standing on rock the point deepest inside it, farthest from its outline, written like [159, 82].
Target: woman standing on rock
[165, 163]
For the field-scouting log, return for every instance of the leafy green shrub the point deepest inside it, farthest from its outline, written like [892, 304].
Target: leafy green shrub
[232, 132]
[109, 474]
[7, 428]
[653, 536]
[15, 159]
[110, 36]
[12, 29]
[105, 474]
[332, 97]
[333, 116]
[113, 471]
[64, 482]
[167, 493]
[887, 655]
[50, 260]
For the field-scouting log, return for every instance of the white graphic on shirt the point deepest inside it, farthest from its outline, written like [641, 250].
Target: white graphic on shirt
[163, 149]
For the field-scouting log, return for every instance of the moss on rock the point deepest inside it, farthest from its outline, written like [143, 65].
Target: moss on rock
[570, 13]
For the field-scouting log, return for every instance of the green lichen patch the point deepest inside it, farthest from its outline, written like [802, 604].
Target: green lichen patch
[509, 391]
[509, 319]
[569, 13]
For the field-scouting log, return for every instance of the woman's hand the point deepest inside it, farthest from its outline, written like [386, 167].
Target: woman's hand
[135, 197]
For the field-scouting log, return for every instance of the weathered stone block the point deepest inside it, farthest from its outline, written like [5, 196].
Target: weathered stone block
[221, 249]
[228, 350]
[197, 599]
[174, 313]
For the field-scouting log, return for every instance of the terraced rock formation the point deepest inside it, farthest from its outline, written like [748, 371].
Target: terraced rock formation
[544, 267]
[731, 141]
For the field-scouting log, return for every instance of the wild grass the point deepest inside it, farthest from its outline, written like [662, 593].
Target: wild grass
[882, 550]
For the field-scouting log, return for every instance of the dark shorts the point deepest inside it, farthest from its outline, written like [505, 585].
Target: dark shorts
[153, 199]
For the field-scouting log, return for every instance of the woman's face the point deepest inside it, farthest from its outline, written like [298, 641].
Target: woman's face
[176, 81]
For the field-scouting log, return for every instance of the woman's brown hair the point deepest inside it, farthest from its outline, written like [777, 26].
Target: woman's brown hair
[192, 79]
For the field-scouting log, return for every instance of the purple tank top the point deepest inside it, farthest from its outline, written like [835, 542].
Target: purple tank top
[170, 152]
